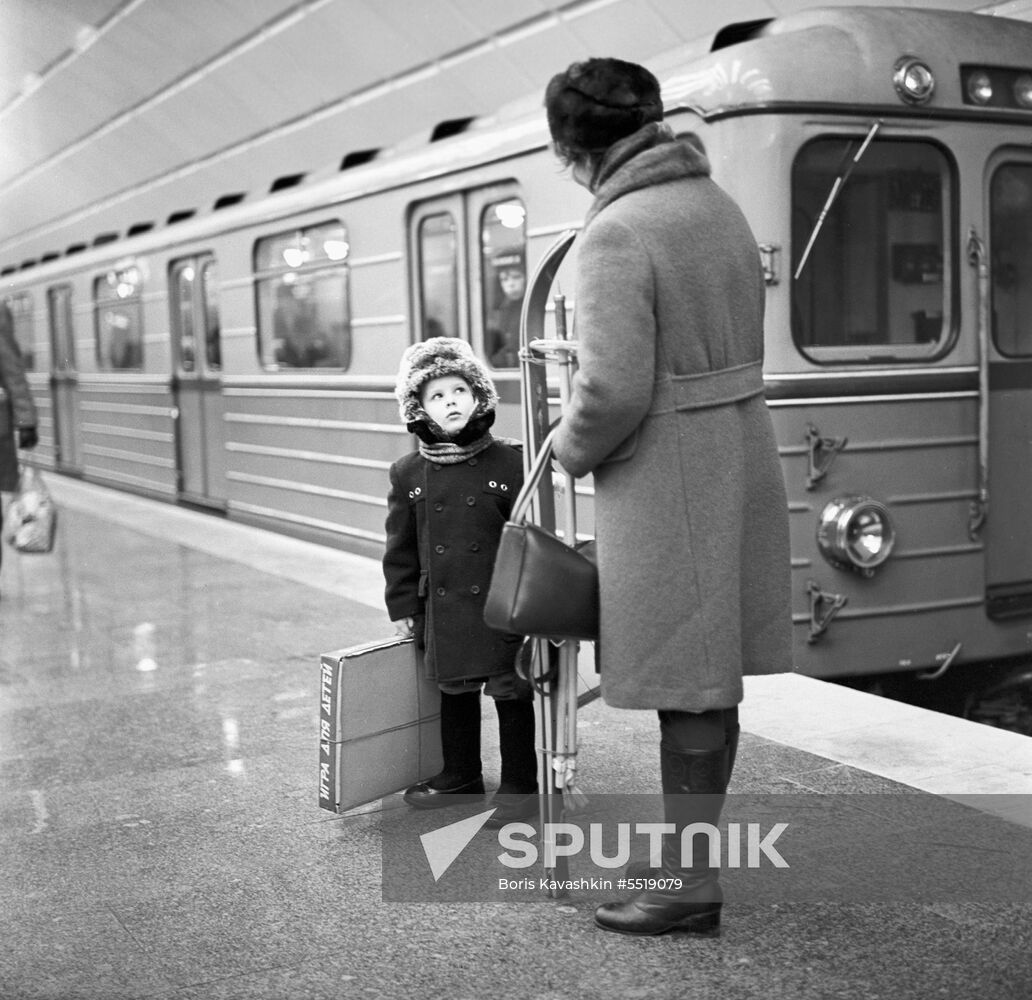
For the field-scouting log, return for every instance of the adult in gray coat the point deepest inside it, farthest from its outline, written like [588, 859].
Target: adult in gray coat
[667, 411]
[18, 418]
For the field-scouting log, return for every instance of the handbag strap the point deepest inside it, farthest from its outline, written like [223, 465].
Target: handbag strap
[521, 507]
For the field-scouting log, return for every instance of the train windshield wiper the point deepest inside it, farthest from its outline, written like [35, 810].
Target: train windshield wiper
[840, 182]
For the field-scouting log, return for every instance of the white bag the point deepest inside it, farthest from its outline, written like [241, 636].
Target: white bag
[31, 519]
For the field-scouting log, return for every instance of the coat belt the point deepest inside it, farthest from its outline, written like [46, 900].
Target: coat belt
[674, 393]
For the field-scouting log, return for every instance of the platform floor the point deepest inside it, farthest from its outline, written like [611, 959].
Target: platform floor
[161, 837]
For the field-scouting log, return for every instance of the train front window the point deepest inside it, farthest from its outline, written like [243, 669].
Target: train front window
[503, 254]
[1010, 239]
[301, 279]
[118, 310]
[439, 275]
[871, 256]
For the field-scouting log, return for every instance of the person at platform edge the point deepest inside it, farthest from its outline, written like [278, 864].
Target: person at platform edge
[18, 418]
[447, 505]
[667, 411]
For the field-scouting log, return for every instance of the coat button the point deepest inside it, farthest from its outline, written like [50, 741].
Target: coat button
[474, 589]
[441, 591]
[438, 507]
[438, 549]
[471, 501]
[474, 547]
[472, 461]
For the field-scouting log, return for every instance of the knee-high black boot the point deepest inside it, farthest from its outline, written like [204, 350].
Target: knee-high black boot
[516, 797]
[460, 748]
[694, 786]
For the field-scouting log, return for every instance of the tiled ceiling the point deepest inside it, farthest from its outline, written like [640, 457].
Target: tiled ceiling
[115, 113]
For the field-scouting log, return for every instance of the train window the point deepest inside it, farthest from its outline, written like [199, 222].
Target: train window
[210, 305]
[503, 253]
[439, 275]
[195, 315]
[62, 331]
[183, 316]
[20, 306]
[304, 313]
[118, 309]
[870, 251]
[1010, 235]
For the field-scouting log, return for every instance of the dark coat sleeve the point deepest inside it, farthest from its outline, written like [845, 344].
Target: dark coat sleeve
[401, 561]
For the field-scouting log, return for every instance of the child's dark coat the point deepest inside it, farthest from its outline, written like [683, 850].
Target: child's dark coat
[443, 526]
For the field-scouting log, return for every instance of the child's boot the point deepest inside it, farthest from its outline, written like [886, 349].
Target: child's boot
[460, 748]
[517, 797]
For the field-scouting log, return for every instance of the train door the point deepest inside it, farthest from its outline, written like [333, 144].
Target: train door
[470, 251]
[470, 254]
[437, 235]
[197, 381]
[64, 380]
[1007, 313]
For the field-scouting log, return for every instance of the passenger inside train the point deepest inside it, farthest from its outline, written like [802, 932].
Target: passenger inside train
[503, 325]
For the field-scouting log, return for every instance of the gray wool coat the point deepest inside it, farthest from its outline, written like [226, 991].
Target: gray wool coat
[667, 411]
[17, 408]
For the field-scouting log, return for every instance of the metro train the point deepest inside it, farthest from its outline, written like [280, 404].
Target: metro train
[243, 360]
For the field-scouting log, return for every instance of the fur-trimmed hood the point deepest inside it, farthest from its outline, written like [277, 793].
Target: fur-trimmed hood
[436, 357]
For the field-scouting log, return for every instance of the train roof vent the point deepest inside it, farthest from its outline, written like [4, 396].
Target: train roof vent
[8, 270]
[450, 127]
[48, 257]
[743, 31]
[75, 248]
[26, 264]
[286, 181]
[138, 228]
[224, 201]
[101, 238]
[358, 157]
[181, 216]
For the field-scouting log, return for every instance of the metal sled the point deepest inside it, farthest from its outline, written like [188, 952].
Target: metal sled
[554, 666]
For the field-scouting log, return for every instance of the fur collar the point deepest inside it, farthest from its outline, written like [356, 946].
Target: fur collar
[650, 156]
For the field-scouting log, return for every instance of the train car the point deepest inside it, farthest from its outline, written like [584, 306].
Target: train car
[243, 359]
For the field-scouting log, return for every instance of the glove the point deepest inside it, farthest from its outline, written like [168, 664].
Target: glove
[27, 437]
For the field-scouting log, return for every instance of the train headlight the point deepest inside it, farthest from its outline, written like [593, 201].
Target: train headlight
[1023, 90]
[980, 87]
[856, 533]
[913, 80]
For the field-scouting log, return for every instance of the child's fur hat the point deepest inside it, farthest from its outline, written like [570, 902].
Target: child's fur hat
[436, 357]
[595, 103]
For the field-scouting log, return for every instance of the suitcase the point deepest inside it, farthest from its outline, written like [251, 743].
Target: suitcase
[379, 723]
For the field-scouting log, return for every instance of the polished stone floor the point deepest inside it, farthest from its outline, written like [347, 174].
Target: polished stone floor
[161, 838]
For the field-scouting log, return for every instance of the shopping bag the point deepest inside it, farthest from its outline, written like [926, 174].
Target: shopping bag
[31, 520]
[380, 723]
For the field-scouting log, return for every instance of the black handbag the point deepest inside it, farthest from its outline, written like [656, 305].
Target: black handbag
[541, 586]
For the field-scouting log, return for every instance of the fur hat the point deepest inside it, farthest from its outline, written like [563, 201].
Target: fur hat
[509, 260]
[598, 102]
[436, 357]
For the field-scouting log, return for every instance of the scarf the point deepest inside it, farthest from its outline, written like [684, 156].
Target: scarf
[451, 452]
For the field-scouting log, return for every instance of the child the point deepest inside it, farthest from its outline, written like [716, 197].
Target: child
[447, 504]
